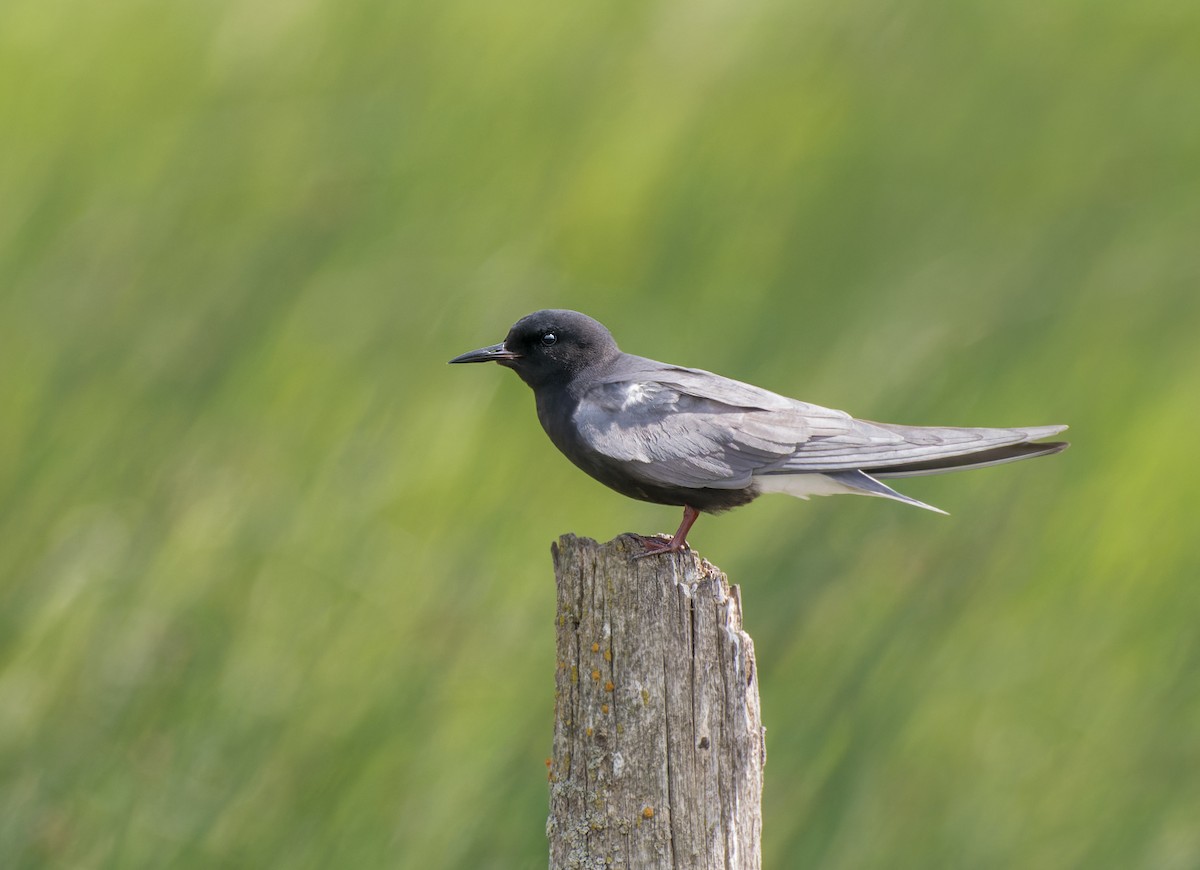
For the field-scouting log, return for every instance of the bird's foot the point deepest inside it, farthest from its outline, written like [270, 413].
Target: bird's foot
[678, 542]
[657, 545]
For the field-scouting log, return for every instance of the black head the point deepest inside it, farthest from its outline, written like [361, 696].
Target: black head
[549, 346]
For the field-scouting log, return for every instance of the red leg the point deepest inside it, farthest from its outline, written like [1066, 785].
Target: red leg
[677, 543]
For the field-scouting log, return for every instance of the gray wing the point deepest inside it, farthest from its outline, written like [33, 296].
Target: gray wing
[686, 427]
[668, 436]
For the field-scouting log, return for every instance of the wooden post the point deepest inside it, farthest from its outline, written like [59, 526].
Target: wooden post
[658, 742]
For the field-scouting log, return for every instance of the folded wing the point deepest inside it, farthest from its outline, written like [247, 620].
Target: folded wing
[691, 428]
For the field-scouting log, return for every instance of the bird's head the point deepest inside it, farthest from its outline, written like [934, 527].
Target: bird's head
[549, 346]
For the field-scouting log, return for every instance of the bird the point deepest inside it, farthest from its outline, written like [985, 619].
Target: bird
[686, 437]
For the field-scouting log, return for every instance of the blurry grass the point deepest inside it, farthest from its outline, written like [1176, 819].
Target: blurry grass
[274, 584]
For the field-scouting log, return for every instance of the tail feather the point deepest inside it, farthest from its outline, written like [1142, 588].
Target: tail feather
[955, 456]
[863, 484]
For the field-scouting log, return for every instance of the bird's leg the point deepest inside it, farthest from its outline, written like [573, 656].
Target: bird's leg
[678, 543]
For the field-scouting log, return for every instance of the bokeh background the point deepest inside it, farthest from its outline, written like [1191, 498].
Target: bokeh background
[275, 586]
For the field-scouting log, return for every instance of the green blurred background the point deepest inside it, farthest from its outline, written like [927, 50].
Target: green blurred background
[275, 585]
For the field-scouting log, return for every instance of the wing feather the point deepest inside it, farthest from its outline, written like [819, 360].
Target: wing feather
[686, 427]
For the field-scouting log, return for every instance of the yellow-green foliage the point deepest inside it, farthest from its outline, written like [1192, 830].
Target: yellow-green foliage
[275, 588]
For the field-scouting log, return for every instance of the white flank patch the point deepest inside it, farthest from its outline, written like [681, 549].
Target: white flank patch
[634, 395]
[803, 485]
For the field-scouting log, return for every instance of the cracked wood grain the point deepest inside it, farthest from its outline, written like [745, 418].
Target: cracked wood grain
[658, 741]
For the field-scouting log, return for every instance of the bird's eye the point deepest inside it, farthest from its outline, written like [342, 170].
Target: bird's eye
[548, 339]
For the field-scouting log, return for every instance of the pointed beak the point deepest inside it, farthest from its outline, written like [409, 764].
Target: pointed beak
[495, 353]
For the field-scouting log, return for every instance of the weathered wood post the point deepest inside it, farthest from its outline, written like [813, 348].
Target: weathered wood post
[658, 743]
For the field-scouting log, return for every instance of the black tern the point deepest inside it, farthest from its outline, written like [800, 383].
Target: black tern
[681, 436]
